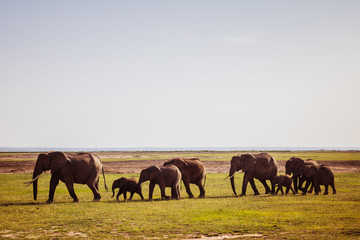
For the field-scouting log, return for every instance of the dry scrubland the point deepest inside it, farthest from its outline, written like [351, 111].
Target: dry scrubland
[217, 216]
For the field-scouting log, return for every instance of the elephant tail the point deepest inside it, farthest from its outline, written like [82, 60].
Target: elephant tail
[204, 181]
[106, 188]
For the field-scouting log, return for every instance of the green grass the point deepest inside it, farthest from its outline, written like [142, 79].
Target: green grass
[276, 217]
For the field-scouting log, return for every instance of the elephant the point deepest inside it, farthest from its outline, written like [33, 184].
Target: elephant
[164, 176]
[126, 185]
[260, 166]
[83, 168]
[192, 171]
[283, 180]
[293, 166]
[318, 175]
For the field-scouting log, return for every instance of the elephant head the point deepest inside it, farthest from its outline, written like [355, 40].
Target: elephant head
[276, 179]
[118, 183]
[308, 171]
[179, 163]
[245, 162]
[47, 161]
[292, 164]
[149, 174]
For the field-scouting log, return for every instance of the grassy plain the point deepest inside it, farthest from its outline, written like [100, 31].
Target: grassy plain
[203, 155]
[271, 217]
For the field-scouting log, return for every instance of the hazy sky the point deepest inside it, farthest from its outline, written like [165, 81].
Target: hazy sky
[180, 73]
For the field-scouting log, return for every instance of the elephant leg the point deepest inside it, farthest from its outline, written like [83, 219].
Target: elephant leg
[245, 182]
[124, 193]
[201, 189]
[187, 187]
[272, 186]
[291, 188]
[118, 195]
[162, 189]
[131, 195]
[175, 194]
[267, 189]
[54, 181]
[253, 186]
[295, 181]
[304, 190]
[151, 189]
[326, 190]
[281, 189]
[311, 188]
[70, 187]
[278, 189]
[333, 188]
[96, 193]
[178, 191]
[287, 190]
[97, 185]
[140, 194]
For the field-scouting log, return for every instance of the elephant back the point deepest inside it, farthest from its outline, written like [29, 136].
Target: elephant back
[265, 166]
[172, 174]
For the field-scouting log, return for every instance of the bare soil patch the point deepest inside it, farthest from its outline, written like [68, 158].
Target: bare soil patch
[122, 167]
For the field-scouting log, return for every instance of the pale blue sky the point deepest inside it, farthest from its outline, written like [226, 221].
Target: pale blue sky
[179, 73]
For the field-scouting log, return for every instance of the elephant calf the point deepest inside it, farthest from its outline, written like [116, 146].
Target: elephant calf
[322, 175]
[126, 185]
[192, 171]
[283, 180]
[164, 176]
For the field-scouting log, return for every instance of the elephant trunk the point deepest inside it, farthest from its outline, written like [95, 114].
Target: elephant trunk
[113, 190]
[36, 175]
[232, 179]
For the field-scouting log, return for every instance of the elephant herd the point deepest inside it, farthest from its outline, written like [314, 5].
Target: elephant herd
[86, 168]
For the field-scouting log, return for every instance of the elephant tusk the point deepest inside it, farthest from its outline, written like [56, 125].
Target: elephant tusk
[230, 176]
[32, 181]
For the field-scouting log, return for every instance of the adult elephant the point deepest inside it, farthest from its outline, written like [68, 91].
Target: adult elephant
[164, 176]
[83, 168]
[318, 175]
[293, 166]
[260, 166]
[192, 171]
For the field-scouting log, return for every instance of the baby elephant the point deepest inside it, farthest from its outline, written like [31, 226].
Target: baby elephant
[126, 185]
[283, 180]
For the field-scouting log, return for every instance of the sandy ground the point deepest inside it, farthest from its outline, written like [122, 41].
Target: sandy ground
[121, 167]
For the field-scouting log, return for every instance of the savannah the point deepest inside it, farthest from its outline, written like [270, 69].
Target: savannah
[220, 215]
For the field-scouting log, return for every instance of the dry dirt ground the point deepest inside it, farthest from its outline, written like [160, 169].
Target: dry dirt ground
[17, 165]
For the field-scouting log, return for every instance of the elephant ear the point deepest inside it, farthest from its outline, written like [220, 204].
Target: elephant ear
[249, 162]
[122, 182]
[313, 170]
[180, 163]
[57, 161]
[308, 171]
[154, 172]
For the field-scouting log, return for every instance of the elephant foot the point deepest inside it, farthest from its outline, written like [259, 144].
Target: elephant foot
[243, 194]
[326, 193]
[117, 200]
[94, 200]
[304, 193]
[191, 196]
[256, 193]
[166, 197]
[49, 201]
[201, 196]
[267, 191]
